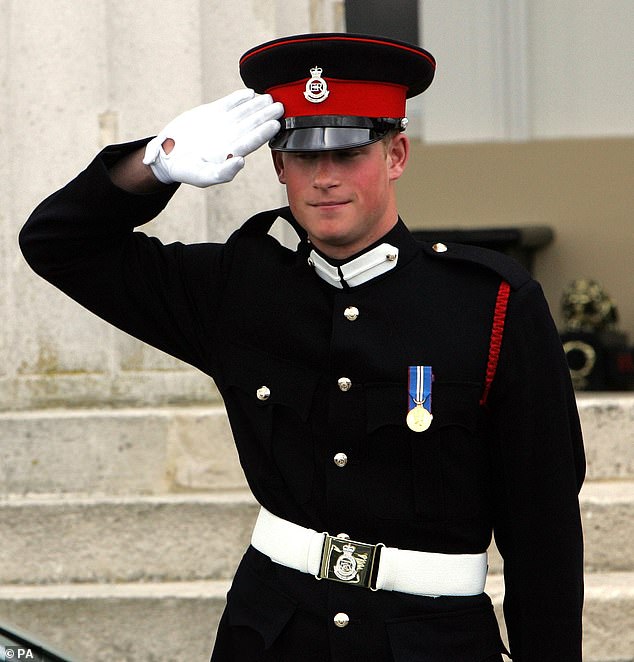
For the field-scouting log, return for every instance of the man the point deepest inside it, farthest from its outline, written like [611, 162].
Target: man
[407, 399]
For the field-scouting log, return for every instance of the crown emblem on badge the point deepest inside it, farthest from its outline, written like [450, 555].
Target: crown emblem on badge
[316, 88]
[346, 567]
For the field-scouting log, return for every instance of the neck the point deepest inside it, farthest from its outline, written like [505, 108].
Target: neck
[349, 250]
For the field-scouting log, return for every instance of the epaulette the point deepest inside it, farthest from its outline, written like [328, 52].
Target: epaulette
[506, 267]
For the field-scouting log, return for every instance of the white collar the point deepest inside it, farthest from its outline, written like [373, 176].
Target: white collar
[367, 266]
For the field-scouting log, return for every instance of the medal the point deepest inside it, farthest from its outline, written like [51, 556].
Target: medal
[419, 416]
[419, 419]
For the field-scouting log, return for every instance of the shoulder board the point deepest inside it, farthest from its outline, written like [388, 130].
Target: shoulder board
[506, 267]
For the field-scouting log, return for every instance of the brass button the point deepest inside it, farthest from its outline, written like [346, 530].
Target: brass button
[351, 313]
[344, 384]
[341, 459]
[391, 257]
[341, 620]
[263, 393]
[440, 247]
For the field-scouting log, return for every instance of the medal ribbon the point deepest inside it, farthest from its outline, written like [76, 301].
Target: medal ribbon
[420, 379]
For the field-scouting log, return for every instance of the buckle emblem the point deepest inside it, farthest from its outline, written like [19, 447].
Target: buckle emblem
[346, 565]
[348, 561]
[316, 88]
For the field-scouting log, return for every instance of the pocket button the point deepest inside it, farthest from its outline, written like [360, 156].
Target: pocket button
[344, 384]
[263, 393]
[341, 459]
[341, 620]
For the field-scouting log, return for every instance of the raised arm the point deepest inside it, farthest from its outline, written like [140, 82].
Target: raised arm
[82, 239]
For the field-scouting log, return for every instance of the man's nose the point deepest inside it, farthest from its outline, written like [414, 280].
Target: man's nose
[325, 174]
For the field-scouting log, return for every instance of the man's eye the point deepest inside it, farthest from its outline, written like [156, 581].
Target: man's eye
[350, 154]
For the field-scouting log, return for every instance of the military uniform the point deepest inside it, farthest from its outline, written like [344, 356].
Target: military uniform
[312, 357]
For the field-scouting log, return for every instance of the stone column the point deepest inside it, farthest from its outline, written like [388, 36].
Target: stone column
[76, 76]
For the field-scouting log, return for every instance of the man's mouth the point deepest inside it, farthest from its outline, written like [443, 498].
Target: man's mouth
[325, 204]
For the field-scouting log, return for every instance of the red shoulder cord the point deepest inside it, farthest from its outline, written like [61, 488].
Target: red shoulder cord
[497, 331]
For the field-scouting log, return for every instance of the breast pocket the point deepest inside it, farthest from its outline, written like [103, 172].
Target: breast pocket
[269, 402]
[469, 635]
[430, 475]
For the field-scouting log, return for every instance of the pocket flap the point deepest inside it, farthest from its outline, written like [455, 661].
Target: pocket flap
[462, 636]
[288, 384]
[453, 403]
[255, 604]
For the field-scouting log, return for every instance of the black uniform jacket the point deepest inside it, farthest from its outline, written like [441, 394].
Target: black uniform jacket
[251, 313]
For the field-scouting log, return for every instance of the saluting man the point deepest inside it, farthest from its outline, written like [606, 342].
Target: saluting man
[393, 402]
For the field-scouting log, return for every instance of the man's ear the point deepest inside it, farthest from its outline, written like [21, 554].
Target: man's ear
[278, 163]
[397, 155]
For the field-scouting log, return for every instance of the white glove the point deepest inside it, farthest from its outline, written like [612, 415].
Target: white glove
[211, 141]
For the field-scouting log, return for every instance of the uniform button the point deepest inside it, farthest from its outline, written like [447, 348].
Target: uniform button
[263, 393]
[440, 247]
[391, 257]
[341, 620]
[351, 313]
[344, 384]
[341, 459]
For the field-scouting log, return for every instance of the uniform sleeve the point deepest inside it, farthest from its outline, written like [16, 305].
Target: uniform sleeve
[82, 240]
[540, 466]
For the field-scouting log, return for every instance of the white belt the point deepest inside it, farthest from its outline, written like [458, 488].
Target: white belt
[351, 562]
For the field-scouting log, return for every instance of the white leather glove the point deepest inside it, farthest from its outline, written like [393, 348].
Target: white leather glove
[211, 141]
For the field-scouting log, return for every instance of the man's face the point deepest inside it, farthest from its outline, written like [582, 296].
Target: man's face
[344, 199]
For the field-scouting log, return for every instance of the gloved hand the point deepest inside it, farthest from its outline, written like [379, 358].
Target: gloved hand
[211, 141]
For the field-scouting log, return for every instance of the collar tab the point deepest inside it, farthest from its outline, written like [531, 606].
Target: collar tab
[369, 265]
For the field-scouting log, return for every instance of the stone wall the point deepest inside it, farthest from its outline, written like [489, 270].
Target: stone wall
[74, 77]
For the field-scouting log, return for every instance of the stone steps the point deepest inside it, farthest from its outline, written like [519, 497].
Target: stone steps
[124, 539]
[131, 622]
[607, 509]
[117, 451]
[121, 528]
[101, 451]
[144, 622]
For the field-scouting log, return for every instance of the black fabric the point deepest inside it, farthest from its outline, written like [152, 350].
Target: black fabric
[250, 313]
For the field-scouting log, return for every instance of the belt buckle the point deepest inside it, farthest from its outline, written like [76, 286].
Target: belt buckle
[348, 561]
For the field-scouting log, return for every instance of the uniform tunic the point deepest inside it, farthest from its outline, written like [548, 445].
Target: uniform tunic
[251, 313]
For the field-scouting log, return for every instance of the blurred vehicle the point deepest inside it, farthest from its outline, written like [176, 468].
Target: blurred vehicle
[18, 645]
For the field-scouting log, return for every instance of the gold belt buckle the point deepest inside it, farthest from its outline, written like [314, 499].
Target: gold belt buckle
[348, 561]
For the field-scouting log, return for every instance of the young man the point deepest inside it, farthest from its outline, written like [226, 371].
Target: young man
[406, 399]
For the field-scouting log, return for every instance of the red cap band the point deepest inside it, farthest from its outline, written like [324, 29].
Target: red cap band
[359, 98]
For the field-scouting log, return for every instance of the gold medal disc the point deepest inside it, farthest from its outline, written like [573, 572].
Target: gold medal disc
[419, 419]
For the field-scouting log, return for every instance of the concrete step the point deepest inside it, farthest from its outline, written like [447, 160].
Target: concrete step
[132, 622]
[144, 622]
[186, 537]
[124, 539]
[608, 615]
[160, 450]
[607, 420]
[607, 509]
[117, 451]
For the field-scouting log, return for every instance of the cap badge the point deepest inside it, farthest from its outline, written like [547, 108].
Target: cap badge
[316, 87]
